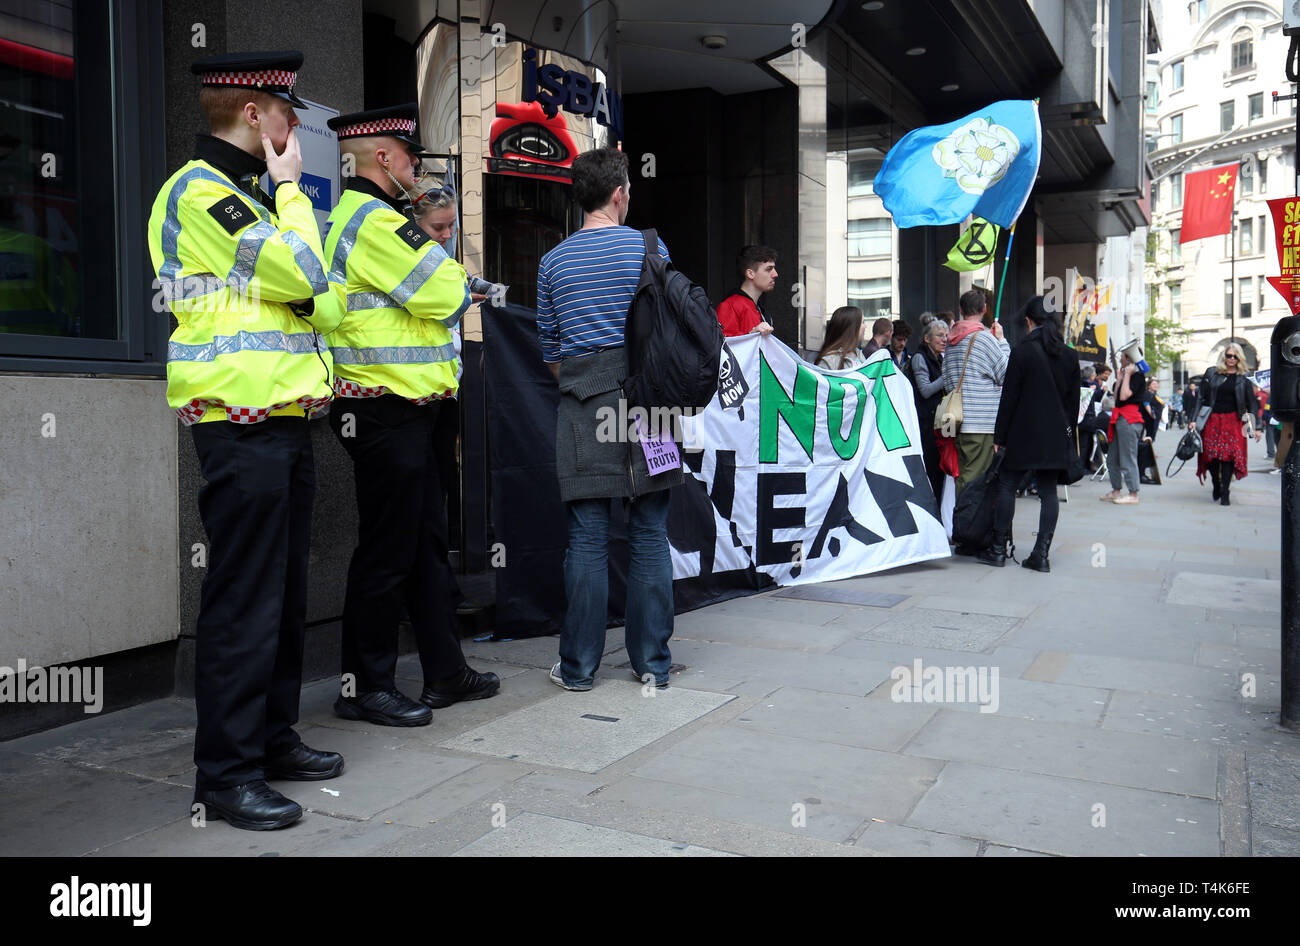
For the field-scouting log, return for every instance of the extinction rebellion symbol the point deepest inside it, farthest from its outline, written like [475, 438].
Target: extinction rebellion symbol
[977, 244]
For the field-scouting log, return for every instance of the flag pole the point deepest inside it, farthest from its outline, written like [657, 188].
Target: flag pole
[1006, 261]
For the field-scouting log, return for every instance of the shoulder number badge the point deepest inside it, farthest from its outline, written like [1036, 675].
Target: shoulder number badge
[412, 236]
[232, 213]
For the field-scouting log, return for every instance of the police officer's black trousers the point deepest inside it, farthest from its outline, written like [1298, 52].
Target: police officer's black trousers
[401, 552]
[256, 509]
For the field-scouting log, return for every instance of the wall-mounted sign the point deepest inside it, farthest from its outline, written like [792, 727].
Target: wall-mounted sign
[525, 142]
[556, 88]
[1286, 227]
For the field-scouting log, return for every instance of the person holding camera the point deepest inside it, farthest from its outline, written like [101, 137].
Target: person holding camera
[1225, 408]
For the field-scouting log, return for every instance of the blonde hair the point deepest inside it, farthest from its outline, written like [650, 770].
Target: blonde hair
[1233, 347]
[428, 199]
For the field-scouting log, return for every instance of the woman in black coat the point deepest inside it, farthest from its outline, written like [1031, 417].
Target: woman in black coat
[1227, 400]
[1035, 428]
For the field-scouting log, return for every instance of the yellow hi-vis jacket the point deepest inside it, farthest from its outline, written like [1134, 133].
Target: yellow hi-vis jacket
[228, 269]
[404, 295]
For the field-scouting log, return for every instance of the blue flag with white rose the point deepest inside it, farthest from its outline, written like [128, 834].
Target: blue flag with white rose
[983, 164]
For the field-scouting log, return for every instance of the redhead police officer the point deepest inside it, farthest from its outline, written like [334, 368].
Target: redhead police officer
[244, 273]
[395, 368]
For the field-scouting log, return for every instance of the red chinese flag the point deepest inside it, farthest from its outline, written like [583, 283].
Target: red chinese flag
[1207, 202]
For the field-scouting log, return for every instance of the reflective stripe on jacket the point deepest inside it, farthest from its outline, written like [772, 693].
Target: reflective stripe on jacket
[227, 269]
[404, 294]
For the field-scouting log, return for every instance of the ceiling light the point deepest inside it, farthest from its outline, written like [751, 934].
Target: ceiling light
[916, 51]
[873, 6]
[713, 41]
[950, 87]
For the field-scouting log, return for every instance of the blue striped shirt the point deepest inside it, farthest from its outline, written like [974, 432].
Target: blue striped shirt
[584, 288]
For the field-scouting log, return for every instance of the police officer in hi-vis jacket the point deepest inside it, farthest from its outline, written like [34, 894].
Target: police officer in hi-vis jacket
[395, 368]
[244, 273]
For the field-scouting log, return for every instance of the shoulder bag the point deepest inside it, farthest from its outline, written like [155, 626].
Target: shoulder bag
[950, 407]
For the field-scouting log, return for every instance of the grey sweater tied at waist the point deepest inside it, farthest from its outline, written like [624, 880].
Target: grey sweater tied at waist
[587, 468]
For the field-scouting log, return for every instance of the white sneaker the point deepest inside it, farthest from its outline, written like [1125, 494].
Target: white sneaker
[559, 681]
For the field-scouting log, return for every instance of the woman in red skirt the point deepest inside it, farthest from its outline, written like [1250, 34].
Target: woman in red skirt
[1226, 392]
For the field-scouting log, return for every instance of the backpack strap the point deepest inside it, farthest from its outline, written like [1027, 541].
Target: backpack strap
[651, 238]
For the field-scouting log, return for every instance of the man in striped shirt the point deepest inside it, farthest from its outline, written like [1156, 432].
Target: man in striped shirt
[584, 288]
[981, 389]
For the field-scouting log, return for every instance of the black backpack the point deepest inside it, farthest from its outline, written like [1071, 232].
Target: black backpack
[972, 517]
[672, 337]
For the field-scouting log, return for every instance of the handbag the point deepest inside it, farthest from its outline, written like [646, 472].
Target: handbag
[1074, 469]
[949, 410]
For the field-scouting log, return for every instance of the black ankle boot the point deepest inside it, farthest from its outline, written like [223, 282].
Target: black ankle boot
[1223, 490]
[1037, 559]
[996, 554]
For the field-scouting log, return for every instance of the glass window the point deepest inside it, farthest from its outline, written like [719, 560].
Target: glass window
[1227, 298]
[1243, 50]
[1245, 181]
[862, 174]
[870, 237]
[1227, 244]
[56, 236]
[1176, 248]
[1176, 75]
[1227, 111]
[1261, 172]
[1176, 301]
[871, 296]
[1262, 283]
[1246, 236]
[1176, 190]
[1262, 233]
[1255, 107]
[1153, 96]
[1176, 129]
[1245, 296]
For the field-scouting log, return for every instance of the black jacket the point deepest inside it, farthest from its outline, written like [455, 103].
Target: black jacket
[1040, 401]
[1208, 390]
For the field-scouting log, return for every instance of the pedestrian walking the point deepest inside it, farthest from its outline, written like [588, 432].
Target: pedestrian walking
[1035, 429]
[1126, 427]
[396, 366]
[243, 372]
[1225, 408]
[584, 288]
[842, 347]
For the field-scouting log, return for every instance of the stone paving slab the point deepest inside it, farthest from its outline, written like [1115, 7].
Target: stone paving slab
[588, 731]
[824, 821]
[756, 632]
[468, 795]
[1274, 785]
[1226, 592]
[61, 809]
[1148, 676]
[829, 673]
[1032, 700]
[1114, 757]
[1010, 661]
[768, 608]
[839, 718]
[903, 841]
[1215, 722]
[1055, 815]
[1236, 658]
[534, 835]
[784, 769]
[942, 629]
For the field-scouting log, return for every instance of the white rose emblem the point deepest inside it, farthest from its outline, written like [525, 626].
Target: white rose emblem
[977, 155]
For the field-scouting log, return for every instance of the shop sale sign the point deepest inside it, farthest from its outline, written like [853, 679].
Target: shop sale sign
[1286, 226]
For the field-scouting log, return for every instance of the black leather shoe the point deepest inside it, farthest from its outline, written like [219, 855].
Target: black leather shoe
[304, 764]
[466, 685]
[385, 707]
[254, 806]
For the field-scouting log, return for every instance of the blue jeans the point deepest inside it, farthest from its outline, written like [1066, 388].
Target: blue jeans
[649, 608]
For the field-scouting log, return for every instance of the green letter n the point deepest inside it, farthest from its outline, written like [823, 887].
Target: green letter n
[888, 422]
[799, 411]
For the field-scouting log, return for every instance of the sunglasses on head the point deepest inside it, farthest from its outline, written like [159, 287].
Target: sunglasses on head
[432, 194]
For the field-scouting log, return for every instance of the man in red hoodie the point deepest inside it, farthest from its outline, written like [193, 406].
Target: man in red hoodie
[742, 312]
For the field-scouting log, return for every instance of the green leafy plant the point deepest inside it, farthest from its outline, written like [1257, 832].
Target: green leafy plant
[1166, 340]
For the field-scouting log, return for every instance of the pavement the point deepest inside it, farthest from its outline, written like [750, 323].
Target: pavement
[1135, 698]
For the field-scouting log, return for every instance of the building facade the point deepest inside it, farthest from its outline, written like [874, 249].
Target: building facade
[744, 124]
[1213, 88]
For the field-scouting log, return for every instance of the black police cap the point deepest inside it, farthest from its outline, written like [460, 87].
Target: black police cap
[270, 72]
[396, 121]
